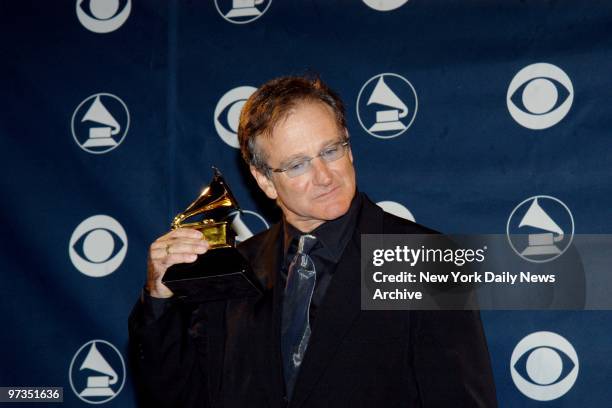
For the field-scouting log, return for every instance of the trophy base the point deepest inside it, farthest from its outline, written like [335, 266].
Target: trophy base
[219, 274]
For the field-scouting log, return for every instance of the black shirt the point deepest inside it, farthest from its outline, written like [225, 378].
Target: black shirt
[332, 238]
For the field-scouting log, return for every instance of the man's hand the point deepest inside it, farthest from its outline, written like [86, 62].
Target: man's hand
[182, 245]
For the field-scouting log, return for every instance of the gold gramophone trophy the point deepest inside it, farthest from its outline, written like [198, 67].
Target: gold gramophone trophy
[222, 272]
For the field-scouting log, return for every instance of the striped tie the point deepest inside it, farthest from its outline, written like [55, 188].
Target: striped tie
[295, 333]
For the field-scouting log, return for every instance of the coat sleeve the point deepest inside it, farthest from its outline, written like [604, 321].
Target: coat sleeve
[167, 350]
[451, 359]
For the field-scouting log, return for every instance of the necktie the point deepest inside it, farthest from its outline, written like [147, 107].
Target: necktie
[295, 333]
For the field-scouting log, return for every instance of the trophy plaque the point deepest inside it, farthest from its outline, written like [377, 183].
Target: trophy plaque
[222, 272]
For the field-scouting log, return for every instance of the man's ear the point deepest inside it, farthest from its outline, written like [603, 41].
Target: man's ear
[264, 182]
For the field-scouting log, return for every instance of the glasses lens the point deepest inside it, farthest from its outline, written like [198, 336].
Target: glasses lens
[297, 169]
[333, 152]
[330, 154]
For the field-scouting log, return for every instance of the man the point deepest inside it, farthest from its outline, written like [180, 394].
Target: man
[305, 342]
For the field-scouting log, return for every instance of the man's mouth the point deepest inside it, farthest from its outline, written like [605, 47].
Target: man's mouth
[327, 193]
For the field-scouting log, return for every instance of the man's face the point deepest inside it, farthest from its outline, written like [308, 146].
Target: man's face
[325, 191]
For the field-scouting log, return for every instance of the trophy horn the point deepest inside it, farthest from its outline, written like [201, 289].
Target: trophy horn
[215, 203]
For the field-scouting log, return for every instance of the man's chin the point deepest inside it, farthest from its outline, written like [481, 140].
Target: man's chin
[336, 210]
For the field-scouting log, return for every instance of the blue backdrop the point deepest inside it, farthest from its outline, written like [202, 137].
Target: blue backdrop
[113, 112]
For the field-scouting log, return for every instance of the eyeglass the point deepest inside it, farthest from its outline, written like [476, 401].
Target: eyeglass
[301, 166]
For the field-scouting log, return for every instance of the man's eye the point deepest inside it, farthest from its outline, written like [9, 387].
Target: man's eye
[330, 151]
[297, 166]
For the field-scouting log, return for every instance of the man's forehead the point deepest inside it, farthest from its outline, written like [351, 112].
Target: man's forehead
[300, 107]
[286, 151]
[306, 122]
[285, 145]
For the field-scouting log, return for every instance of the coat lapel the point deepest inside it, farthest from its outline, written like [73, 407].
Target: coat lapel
[340, 307]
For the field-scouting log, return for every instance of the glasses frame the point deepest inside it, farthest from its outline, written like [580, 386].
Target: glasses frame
[344, 144]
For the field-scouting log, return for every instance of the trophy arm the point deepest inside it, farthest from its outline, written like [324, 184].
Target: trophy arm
[177, 221]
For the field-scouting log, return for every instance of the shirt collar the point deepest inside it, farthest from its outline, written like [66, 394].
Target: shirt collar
[332, 236]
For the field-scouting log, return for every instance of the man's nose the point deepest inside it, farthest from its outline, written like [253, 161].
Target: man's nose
[321, 173]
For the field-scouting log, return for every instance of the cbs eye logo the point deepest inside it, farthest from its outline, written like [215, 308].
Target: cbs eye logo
[544, 366]
[539, 96]
[98, 246]
[396, 209]
[227, 113]
[103, 16]
[385, 5]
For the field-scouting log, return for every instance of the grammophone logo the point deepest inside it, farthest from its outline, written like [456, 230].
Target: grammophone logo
[387, 105]
[242, 11]
[97, 372]
[100, 123]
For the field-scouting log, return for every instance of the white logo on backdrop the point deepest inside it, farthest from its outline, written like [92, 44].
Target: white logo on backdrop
[385, 5]
[98, 246]
[540, 228]
[543, 357]
[242, 11]
[397, 209]
[103, 16]
[386, 105]
[227, 113]
[97, 372]
[247, 223]
[100, 123]
[545, 93]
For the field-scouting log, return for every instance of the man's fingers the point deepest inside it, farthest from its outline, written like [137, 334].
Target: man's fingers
[166, 258]
[184, 233]
[165, 246]
[173, 259]
[182, 245]
[163, 243]
[182, 240]
[188, 249]
[185, 248]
